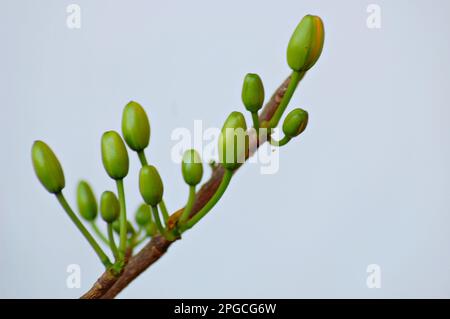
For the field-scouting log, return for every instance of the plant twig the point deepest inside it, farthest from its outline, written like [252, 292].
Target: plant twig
[108, 285]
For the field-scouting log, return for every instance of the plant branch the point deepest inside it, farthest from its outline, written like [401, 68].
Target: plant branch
[108, 285]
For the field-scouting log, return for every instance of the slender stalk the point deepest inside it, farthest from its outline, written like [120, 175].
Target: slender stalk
[280, 143]
[296, 76]
[159, 225]
[142, 158]
[213, 201]
[99, 233]
[157, 220]
[112, 243]
[162, 205]
[164, 211]
[122, 220]
[188, 208]
[255, 120]
[150, 228]
[99, 251]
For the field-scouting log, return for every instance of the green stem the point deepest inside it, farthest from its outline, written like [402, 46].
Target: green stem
[280, 143]
[188, 208]
[157, 220]
[101, 254]
[164, 211]
[213, 201]
[99, 233]
[112, 243]
[255, 119]
[122, 220]
[142, 158]
[296, 76]
[158, 223]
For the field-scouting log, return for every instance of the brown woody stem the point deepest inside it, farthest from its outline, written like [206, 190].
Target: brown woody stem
[108, 285]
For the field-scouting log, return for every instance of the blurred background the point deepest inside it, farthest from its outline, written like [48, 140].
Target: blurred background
[367, 183]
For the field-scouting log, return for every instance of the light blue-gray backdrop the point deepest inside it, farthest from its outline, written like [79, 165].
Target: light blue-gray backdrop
[367, 183]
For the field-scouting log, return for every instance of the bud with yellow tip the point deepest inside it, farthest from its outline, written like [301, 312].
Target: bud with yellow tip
[306, 44]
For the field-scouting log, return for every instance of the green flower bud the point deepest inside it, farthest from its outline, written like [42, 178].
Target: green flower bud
[114, 155]
[87, 204]
[135, 126]
[109, 207]
[116, 227]
[253, 92]
[192, 167]
[233, 141]
[295, 122]
[306, 44]
[143, 215]
[151, 185]
[47, 167]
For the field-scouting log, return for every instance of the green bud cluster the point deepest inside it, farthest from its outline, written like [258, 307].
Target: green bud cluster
[303, 51]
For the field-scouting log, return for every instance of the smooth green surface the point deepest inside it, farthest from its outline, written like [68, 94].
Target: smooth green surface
[253, 92]
[295, 122]
[293, 83]
[86, 201]
[306, 44]
[255, 120]
[112, 242]
[213, 201]
[143, 215]
[157, 219]
[101, 254]
[280, 143]
[150, 185]
[135, 126]
[162, 204]
[188, 208]
[109, 207]
[122, 220]
[159, 225]
[164, 211]
[192, 167]
[231, 147]
[114, 155]
[142, 158]
[47, 167]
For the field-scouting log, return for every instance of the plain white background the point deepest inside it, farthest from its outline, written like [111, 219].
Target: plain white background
[367, 183]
